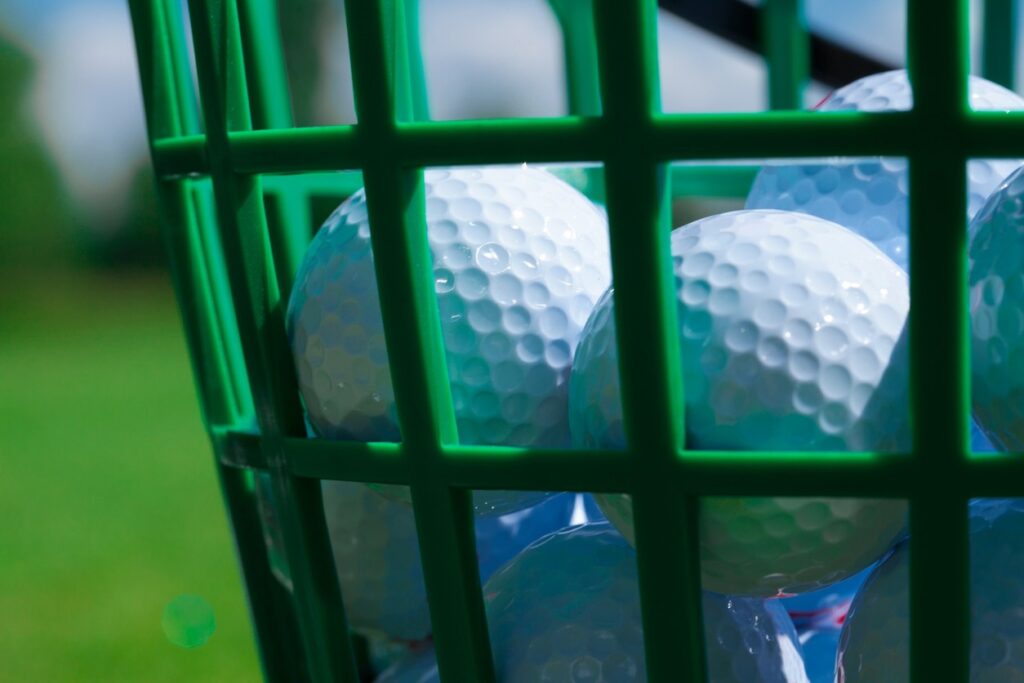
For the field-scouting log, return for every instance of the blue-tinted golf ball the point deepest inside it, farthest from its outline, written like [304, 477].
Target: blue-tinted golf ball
[871, 196]
[874, 645]
[377, 557]
[568, 608]
[996, 257]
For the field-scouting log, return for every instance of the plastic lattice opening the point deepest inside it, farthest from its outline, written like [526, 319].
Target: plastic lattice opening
[246, 192]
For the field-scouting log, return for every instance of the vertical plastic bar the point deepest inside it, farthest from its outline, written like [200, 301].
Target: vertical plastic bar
[787, 50]
[289, 222]
[280, 647]
[177, 41]
[413, 59]
[222, 310]
[270, 100]
[938, 61]
[156, 68]
[576, 18]
[157, 29]
[260, 315]
[269, 93]
[999, 42]
[415, 350]
[278, 651]
[637, 193]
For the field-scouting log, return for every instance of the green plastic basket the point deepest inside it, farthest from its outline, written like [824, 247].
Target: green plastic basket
[235, 229]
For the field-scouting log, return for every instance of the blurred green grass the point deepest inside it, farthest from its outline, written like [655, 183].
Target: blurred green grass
[108, 496]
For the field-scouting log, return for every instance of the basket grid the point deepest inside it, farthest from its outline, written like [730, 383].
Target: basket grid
[232, 269]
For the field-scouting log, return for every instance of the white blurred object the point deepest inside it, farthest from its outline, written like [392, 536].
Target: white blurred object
[703, 73]
[87, 103]
[492, 58]
[504, 58]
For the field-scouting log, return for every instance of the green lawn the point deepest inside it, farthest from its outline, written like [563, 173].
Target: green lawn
[109, 506]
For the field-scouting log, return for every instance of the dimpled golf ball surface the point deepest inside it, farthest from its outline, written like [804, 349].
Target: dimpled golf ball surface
[791, 339]
[870, 196]
[376, 555]
[997, 314]
[874, 645]
[567, 609]
[519, 258]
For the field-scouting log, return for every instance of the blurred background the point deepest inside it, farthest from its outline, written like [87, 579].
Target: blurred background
[109, 502]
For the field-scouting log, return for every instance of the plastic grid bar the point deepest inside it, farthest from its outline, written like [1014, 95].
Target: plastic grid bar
[231, 270]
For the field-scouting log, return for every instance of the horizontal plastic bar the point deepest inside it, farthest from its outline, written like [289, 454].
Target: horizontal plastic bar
[180, 156]
[709, 473]
[329, 183]
[671, 137]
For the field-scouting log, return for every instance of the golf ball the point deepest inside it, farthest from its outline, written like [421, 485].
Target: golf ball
[376, 554]
[870, 196]
[791, 337]
[568, 608]
[519, 258]
[997, 314]
[874, 645]
[500, 538]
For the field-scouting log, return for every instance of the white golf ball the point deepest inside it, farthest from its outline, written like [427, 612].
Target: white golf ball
[377, 557]
[875, 641]
[997, 314]
[870, 196]
[519, 260]
[568, 609]
[792, 338]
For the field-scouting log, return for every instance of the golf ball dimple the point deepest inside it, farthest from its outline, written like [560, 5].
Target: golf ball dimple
[568, 608]
[377, 558]
[792, 338]
[519, 259]
[870, 196]
[996, 256]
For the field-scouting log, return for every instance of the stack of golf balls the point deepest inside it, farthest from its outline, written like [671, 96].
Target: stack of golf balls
[792, 336]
